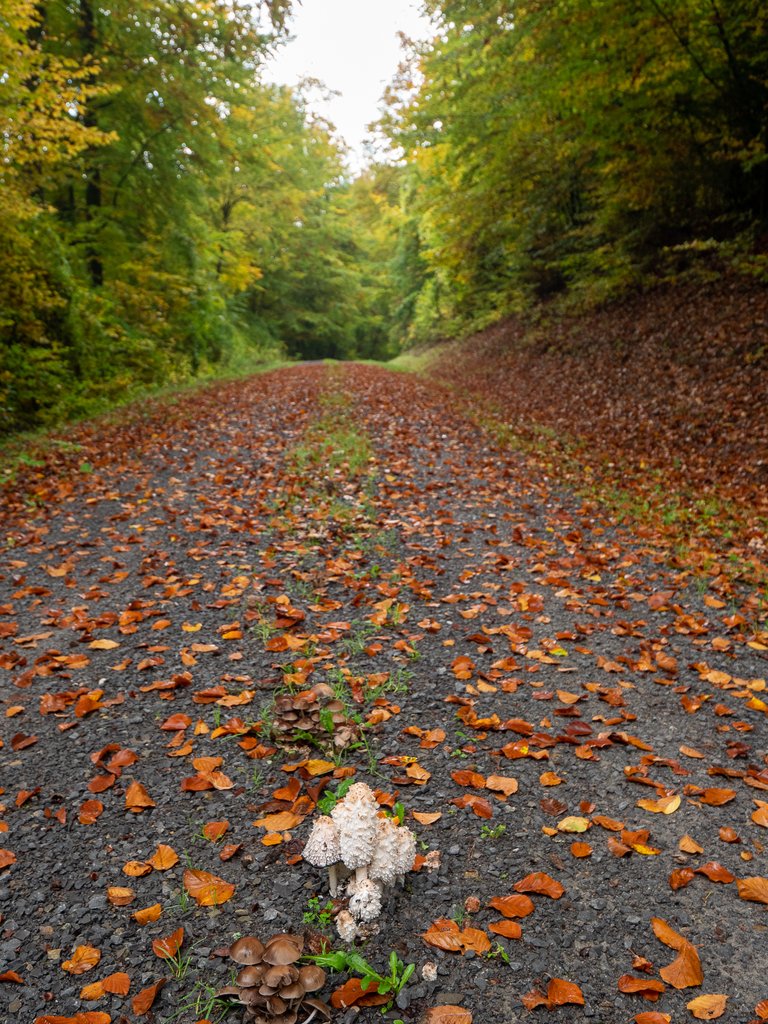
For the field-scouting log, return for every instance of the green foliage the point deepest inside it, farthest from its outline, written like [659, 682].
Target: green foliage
[353, 963]
[165, 215]
[575, 146]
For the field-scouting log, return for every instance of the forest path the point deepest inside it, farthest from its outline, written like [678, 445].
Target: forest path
[573, 709]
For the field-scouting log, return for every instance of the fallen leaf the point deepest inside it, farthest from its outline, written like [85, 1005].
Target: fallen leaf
[685, 971]
[169, 946]
[206, 889]
[82, 960]
[754, 889]
[708, 1007]
[541, 883]
[163, 858]
[148, 914]
[351, 993]
[448, 1015]
[512, 906]
[137, 799]
[142, 1001]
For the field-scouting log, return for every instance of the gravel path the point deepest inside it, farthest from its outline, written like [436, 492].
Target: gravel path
[163, 584]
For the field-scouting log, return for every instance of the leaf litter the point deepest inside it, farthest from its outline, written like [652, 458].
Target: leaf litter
[465, 614]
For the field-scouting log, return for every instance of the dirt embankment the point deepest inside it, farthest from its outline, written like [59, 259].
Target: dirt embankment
[669, 387]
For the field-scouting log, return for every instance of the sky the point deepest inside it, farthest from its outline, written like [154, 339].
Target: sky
[353, 48]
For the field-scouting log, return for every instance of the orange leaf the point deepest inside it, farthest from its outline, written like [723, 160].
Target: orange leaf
[716, 797]
[762, 1009]
[214, 830]
[117, 984]
[755, 889]
[450, 941]
[541, 883]
[581, 850]
[137, 799]
[708, 1007]
[119, 896]
[760, 816]
[561, 993]
[426, 817]
[7, 857]
[652, 1017]
[316, 766]
[82, 960]
[90, 811]
[509, 929]
[103, 645]
[715, 872]
[136, 868]
[464, 777]
[148, 914]
[169, 946]
[502, 784]
[628, 983]
[90, 993]
[512, 906]
[448, 1015]
[352, 993]
[87, 1017]
[550, 779]
[206, 889]
[283, 821]
[476, 940]
[142, 1002]
[163, 858]
[689, 845]
[12, 976]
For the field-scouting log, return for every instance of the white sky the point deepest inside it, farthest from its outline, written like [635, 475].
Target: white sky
[353, 48]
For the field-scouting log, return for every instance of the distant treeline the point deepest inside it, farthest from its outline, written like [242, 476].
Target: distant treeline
[162, 212]
[576, 147]
[165, 214]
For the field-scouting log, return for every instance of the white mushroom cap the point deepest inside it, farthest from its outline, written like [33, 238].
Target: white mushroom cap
[366, 903]
[322, 847]
[345, 926]
[385, 863]
[406, 850]
[356, 819]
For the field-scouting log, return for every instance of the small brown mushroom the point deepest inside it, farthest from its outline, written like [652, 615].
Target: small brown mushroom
[251, 976]
[283, 949]
[312, 977]
[247, 950]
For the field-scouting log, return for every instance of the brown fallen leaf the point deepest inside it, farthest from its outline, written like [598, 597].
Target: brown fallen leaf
[448, 1015]
[87, 1017]
[541, 883]
[512, 906]
[142, 1001]
[148, 914]
[351, 993]
[137, 799]
[754, 889]
[169, 946]
[559, 993]
[82, 960]
[163, 858]
[206, 889]
[685, 971]
[13, 977]
[708, 1007]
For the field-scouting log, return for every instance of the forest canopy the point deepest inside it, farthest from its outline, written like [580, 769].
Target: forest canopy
[165, 214]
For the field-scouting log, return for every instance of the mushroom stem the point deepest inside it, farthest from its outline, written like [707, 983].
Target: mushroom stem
[333, 880]
[311, 1017]
[361, 874]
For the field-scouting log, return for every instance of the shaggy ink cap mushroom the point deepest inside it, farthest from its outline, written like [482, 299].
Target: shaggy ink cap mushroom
[366, 902]
[322, 849]
[356, 818]
[385, 863]
[346, 926]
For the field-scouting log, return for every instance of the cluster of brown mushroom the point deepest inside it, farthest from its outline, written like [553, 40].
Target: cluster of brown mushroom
[375, 848]
[315, 712]
[271, 985]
